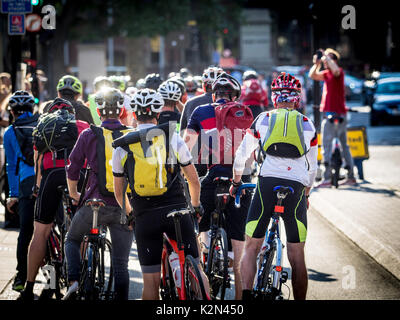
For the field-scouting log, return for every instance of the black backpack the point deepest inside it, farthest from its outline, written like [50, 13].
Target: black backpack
[23, 129]
[55, 132]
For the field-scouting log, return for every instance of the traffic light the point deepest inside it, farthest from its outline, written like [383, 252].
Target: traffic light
[35, 2]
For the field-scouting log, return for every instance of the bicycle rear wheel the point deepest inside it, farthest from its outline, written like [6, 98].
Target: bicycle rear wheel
[87, 290]
[105, 276]
[167, 283]
[217, 265]
[194, 285]
[263, 284]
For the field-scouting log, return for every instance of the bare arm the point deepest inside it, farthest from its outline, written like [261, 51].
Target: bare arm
[73, 190]
[194, 184]
[332, 65]
[119, 193]
[190, 137]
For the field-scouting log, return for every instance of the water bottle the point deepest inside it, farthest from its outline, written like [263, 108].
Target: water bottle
[176, 268]
[264, 249]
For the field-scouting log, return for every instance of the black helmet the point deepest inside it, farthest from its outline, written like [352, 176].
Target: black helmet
[225, 83]
[60, 104]
[153, 81]
[184, 72]
[109, 101]
[21, 101]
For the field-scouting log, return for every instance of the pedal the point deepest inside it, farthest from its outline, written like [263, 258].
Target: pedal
[284, 276]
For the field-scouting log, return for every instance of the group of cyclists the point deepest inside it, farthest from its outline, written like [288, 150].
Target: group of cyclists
[142, 176]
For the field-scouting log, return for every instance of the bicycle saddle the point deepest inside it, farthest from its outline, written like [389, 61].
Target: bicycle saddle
[178, 212]
[333, 118]
[283, 189]
[97, 203]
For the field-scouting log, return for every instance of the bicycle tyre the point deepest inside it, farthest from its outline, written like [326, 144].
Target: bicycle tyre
[105, 279]
[217, 270]
[87, 282]
[263, 288]
[193, 282]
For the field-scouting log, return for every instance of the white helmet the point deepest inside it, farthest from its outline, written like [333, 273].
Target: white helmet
[147, 101]
[225, 82]
[211, 74]
[170, 90]
[131, 90]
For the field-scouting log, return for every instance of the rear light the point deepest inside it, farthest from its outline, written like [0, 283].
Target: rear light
[94, 231]
[279, 209]
[278, 268]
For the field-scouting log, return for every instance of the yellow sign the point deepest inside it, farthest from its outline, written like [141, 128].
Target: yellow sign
[357, 141]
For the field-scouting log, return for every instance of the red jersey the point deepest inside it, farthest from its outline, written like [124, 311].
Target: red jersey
[333, 95]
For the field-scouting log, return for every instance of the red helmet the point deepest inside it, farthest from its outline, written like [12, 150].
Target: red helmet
[252, 92]
[286, 88]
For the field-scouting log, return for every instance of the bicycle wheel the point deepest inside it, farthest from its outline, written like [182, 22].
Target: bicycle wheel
[263, 286]
[167, 283]
[87, 290]
[105, 272]
[217, 265]
[193, 281]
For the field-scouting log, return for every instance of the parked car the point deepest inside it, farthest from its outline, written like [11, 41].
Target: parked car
[386, 101]
[369, 85]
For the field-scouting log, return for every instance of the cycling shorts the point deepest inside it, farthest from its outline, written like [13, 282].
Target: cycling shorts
[49, 198]
[262, 208]
[149, 229]
[235, 218]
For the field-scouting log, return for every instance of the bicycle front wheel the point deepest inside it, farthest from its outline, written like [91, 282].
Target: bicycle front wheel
[217, 265]
[194, 285]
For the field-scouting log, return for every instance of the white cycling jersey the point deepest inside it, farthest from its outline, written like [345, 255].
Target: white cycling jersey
[301, 169]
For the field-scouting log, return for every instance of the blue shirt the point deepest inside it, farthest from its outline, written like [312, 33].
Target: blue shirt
[13, 152]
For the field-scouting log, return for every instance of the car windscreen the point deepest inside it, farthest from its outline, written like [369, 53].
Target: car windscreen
[389, 88]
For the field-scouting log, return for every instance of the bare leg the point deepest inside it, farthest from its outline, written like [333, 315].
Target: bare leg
[248, 265]
[295, 253]
[237, 247]
[151, 286]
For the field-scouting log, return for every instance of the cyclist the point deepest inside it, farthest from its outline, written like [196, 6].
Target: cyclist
[91, 147]
[203, 121]
[50, 174]
[332, 103]
[181, 83]
[150, 206]
[171, 93]
[21, 175]
[191, 86]
[252, 96]
[208, 77]
[99, 83]
[278, 169]
[70, 89]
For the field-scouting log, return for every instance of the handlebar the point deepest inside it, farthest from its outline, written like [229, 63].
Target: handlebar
[239, 192]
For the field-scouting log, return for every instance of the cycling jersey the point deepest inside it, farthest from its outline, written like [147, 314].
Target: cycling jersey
[191, 105]
[301, 169]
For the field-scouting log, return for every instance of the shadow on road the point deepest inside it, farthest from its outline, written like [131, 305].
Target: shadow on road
[320, 276]
[362, 187]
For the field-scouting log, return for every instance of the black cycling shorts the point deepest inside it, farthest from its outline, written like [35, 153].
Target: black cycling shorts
[49, 198]
[262, 208]
[149, 229]
[235, 218]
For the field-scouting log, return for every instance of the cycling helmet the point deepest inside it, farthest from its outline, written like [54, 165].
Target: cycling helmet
[21, 101]
[250, 74]
[109, 101]
[60, 104]
[118, 82]
[184, 72]
[190, 84]
[69, 82]
[179, 81]
[146, 102]
[252, 91]
[226, 84]
[100, 82]
[285, 88]
[153, 81]
[141, 84]
[210, 75]
[170, 90]
[131, 91]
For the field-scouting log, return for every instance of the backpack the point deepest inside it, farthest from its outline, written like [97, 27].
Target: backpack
[285, 135]
[148, 163]
[232, 121]
[104, 151]
[23, 129]
[56, 132]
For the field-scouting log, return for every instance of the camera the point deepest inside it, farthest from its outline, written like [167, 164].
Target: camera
[319, 54]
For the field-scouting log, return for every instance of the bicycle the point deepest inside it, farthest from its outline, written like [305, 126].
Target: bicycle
[55, 254]
[94, 283]
[217, 261]
[270, 274]
[175, 266]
